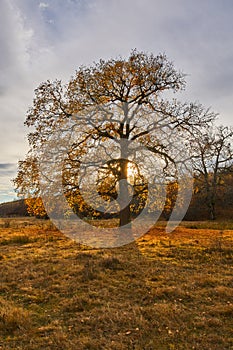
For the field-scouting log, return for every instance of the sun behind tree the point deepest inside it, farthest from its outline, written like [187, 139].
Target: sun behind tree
[109, 106]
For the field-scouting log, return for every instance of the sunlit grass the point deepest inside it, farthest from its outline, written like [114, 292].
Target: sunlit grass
[166, 291]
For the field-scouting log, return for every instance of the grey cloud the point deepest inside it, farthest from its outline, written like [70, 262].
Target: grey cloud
[4, 166]
[14, 40]
[7, 170]
[39, 43]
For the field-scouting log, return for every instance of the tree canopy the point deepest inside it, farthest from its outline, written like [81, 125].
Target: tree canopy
[212, 158]
[115, 133]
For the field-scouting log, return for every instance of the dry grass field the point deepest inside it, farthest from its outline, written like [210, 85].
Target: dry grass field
[163, 292]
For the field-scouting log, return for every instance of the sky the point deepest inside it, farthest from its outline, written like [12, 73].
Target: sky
[50, 39]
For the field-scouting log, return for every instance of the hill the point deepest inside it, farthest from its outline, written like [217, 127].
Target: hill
[13, 209]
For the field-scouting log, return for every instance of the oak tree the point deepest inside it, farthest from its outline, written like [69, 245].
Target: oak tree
[110, 106]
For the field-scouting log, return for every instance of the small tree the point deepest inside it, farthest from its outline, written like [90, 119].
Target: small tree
[112, 104]
[213, 156]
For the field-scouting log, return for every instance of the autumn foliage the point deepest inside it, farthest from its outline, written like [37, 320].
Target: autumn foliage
[106, 108]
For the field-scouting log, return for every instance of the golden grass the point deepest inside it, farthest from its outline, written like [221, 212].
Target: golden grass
[166, 291]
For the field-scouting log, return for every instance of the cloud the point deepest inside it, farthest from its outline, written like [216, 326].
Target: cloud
[43, 5]
[7, 173]
[4, 166]
[7, 169]
[42, 40]
[14, 43]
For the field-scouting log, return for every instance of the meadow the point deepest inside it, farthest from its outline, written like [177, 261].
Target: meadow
[162, 292]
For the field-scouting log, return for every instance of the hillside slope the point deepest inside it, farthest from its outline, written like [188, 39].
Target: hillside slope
[13, 209]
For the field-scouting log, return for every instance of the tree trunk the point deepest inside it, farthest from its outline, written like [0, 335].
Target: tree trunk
[125, 217]
[212, 211]
[124, 198]
[211, 199]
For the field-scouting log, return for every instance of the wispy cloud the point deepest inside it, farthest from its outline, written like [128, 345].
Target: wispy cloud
[6, 166]
[43, 5]
[7, 173]
[7, 170]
